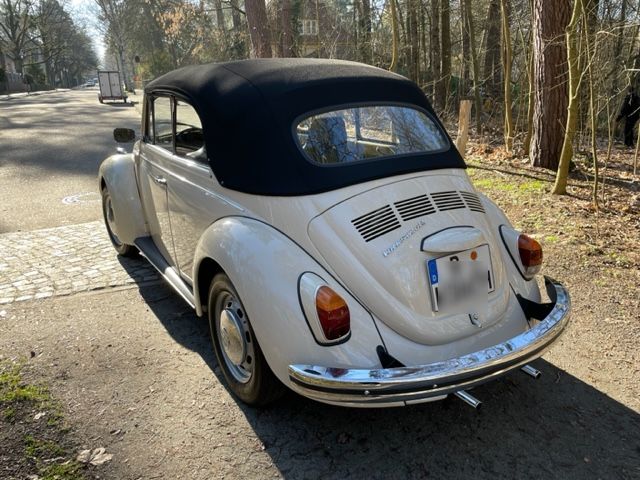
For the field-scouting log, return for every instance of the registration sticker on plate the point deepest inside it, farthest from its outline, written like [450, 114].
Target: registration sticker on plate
[461, 282]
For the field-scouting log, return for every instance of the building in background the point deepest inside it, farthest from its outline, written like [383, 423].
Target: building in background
[310, 28]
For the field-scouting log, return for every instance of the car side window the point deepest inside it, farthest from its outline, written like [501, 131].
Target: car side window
[189, 137]
[162, 123]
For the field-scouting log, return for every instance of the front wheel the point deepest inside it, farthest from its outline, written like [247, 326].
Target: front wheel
[110, 222]
[236, 347]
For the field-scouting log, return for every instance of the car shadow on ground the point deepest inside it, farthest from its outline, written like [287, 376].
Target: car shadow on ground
[555, 427]
[120, 104]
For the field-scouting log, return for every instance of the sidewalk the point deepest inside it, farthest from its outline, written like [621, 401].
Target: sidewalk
[12, 96]
[64, 260]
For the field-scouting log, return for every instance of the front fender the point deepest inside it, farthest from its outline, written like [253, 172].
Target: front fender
[265, 267]
[118, 173]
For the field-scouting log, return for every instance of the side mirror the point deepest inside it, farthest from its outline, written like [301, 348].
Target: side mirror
[124, 135]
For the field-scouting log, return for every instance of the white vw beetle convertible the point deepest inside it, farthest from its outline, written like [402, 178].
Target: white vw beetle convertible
[319, 215]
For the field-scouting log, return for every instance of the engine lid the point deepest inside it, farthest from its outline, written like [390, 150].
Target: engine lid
[381, 241]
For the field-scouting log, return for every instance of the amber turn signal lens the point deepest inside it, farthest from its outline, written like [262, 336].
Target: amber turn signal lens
[530, 254]
[333, 313]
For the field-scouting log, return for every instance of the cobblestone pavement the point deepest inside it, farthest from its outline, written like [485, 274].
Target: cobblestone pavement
[62, 261]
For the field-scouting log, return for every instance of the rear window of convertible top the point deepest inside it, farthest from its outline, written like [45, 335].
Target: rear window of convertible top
[367, 132]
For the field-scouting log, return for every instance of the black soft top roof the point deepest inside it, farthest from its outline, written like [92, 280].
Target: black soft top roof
[248, 109]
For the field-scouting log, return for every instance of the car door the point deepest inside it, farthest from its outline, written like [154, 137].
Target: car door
[193, 203]
[156, 153]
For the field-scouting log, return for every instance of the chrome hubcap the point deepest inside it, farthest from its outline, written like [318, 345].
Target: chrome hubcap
[235, 339]
[231, 337]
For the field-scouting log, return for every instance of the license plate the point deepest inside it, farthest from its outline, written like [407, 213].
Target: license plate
[461, 282]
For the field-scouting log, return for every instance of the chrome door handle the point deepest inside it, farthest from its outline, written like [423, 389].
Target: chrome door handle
[160, 180]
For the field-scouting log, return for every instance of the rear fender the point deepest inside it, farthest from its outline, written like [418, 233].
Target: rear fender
[118, 174]
[527, 288]
[265, 266]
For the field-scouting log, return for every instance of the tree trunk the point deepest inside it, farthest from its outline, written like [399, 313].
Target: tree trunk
[463, 126]
[530, 105]
[235, 15]
[445, 48]
[465, 59]
[593, 117]
[617, 51]
[395, 34]
[123, 69]
[219, 15]
[424, 57]
[285, 43]
[413, 57]
[474, 64]
[560, 186]
[258, 28]
[492, 70]
[364, 30]
[438, 86]
[550, 18]
[506, 62]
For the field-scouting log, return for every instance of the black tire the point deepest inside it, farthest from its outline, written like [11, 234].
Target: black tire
[107, 212]
[100, 99]
[251, 378]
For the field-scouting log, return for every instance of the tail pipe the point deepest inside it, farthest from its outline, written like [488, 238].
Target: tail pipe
[469, 399]
[532, 372]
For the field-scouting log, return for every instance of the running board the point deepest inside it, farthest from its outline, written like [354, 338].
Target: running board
[151, 252]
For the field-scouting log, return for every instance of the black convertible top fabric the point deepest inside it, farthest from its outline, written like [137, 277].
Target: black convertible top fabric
[248, 109]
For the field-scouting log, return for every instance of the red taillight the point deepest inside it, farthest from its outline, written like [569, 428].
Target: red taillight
[530, 255]
[333, 313]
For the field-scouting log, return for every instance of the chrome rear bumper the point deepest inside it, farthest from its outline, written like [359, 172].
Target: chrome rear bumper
[407, 385]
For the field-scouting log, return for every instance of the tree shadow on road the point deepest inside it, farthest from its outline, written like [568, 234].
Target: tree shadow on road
[555, 427]
[58, 137]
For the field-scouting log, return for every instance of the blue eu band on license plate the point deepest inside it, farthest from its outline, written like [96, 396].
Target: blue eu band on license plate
[433, 272]
[432, 267]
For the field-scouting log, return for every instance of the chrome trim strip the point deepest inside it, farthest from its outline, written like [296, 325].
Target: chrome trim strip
[405, 384]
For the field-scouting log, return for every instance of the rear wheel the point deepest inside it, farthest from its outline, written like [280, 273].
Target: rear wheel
[236, 347]
[109, 221]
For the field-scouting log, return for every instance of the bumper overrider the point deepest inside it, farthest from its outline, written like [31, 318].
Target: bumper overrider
[407, 385]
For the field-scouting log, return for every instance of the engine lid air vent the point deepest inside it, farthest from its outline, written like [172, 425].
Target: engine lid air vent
[376, 223]
[447, 200]
[473, 202]
[414, 207]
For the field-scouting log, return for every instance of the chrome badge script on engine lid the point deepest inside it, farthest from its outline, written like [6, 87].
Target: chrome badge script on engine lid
[461, 282]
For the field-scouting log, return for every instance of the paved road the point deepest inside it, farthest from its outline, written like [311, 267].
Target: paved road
[50, 148]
